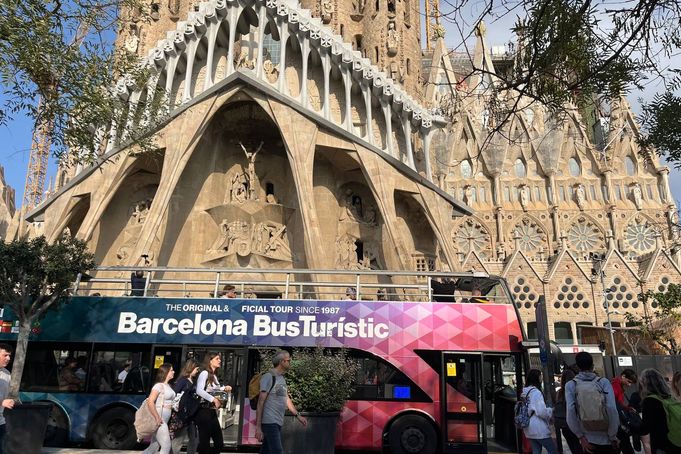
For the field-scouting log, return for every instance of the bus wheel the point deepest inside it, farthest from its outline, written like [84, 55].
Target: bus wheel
[57, 433]
[114, 429]
[412, 434]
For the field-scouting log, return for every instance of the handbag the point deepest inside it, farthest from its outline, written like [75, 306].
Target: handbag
[630, 422]
[188, 405]
[145, 422]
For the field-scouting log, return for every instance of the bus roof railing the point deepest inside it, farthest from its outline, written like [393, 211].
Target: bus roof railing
[169, 282]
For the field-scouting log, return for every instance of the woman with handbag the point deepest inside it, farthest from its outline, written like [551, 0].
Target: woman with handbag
[160, 403]
[206, 418]
[539, 430]
[186, 384]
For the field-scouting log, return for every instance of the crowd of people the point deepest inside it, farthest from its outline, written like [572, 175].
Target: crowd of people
[599, 416]
[202, 427]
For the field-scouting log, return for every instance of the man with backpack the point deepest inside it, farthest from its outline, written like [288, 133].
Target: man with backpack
[591, 410]
[272, 403]
[627, 414]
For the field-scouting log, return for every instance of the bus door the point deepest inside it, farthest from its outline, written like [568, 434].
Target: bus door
[166, 354]
[461, 403]
[231, 373]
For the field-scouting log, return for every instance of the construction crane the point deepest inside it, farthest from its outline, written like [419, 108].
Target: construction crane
[433, 26]
[34, 190]
[37, 163]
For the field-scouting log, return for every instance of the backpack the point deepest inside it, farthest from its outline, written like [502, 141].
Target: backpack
[672, 408]
[522, 411]
[190, 402]
[254, 389]
[590, 403]
[145, 423]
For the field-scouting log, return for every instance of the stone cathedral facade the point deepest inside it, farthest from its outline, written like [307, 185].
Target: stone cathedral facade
[297, 125]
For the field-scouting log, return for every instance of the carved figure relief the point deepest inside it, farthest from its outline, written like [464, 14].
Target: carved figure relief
[132, 39]
[174, 8]
[524, 193]
[637, 194]
[137, 215]
[263, 238]
[395, 73]
[580, 196]
[393, 40]
[327, 10]
[352, 210]
[238, 189]
[468, 194]
[271, 71]
[252, 177]
[358, 9]
[141, 210]
[347, 257]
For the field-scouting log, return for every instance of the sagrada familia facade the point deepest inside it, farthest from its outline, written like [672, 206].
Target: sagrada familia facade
[319, 135]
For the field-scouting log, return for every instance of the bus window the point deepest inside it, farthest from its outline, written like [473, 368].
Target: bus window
[379, 380]
[120, 368]
[52, 368]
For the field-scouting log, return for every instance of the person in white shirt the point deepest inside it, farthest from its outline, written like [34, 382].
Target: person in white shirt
[539, 429]
[160, 404]
[123, 373]
[206, 418]
[5, 356]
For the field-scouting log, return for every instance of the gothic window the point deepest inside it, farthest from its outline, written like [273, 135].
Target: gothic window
[570, 295]
[424, 263]
[562, 332]
[650, 191]
[520, 168]
[515, 193]
[630, 166]
[474, 194]
[377, 55]
[562, 193]
[531, 330]
[531, 238]
[574, 167]
[604, 190]
[483, 194]
[592, 188]
[618, 192]
[466, 169]
[620, 296]
[269, 188]
[585, 237]
[660, 188]
[471, 236]
[507, 194]
[640, 235]
[525, 296]
[537, 193]
[408, 66]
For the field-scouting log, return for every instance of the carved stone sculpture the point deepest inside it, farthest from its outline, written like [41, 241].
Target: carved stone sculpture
[580, 196]
[468, 194]
[270, 70]
[358, 8]
[266, 238]
[252, 178]
[132, 39]
[238, 189]
[637, 195]
[327, 10]
[393, 41]
[141, 210]
[524, 194]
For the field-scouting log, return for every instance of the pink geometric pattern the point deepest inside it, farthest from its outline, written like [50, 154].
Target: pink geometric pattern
[428, 326]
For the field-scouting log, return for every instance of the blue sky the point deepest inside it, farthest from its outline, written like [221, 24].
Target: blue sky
[15, 137]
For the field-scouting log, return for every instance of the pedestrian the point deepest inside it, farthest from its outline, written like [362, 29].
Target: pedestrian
[654, 389]
[591, 409]
[625, 379]
[560, 413]
[160, 402]
[123, 374]
[186, 384]
[67, 379]
[206, 418]
[539, 430]
[137, 283]
[5, 357]
[272, 404]
[676, 386]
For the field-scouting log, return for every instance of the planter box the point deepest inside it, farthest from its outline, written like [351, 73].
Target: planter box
[319, 437]
[26, 426]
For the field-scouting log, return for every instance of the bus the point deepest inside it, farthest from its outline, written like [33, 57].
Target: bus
[440, 354]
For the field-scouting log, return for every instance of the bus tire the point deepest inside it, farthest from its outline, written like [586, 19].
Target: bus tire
[412, 434]
[57, 432]
[115, 429]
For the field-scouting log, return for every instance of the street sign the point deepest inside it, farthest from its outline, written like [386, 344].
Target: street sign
[625, 361]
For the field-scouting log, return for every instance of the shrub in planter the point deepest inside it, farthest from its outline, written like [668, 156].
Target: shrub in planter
[319, 382]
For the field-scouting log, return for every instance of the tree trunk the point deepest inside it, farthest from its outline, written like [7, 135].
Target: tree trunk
[19, 358]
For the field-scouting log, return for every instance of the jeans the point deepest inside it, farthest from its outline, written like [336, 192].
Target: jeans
[160, 438]
[189, 433]
[206, 420]
[272, 442]
[538, 444]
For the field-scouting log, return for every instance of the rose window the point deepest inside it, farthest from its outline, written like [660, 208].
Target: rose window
[640, 236]
[471, 236]
[529, 235]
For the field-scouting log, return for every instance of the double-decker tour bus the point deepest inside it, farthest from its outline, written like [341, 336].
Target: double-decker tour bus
[440, 353]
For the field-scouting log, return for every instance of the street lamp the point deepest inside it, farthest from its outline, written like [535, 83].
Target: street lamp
[598, 271]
